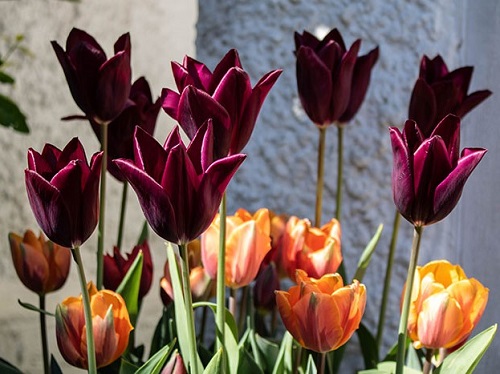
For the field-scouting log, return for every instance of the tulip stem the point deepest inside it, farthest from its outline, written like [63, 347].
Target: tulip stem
[321, 175]
[403, 322]
[322, 360]
[387, 280]
[340, 171]
[428, 361]
[102, 206]
[188, 303]
[221, 277]
[92, 369]
[123, 208]
[43, 331]
[233, 302]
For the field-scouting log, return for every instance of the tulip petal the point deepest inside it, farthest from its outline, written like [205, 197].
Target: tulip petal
[170, 102]
[123, 44]
[432, 70]
[288, 316]
[149, 154]
[231, 59]
[306, 39]
[423, 106]
[197, 74]
[471, 101]
[334, 35]
[449, 130]
[77, 37]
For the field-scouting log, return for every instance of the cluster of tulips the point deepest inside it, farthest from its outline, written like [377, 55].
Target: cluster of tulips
[181, 190]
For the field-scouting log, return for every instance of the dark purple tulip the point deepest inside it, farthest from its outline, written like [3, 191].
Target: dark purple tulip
[116, 267]
[428, 173]
[226, 96]
[179, 189]
[332, 81]
[64, 192]
[266, 283]
[100, 87]
[439, 92]
[142, 112]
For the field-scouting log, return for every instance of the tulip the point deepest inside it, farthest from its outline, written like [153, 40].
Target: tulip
[63, 192]
[445, 306]
[248, 241]
[175, 365]
[428, 174]
[226, 96]
[266, 283]
[317, 251]
[116, 267]
[322, 314]
[141, 111]
[332, 81]
[439, 92]
[111, 326]
[100, 87]
[41, 265]
[179, 189]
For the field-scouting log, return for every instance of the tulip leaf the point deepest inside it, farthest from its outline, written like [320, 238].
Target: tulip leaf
[165, 330]
[284, 362]
[413, 359]
[269, 350]
[311, 366]
[389, 367]
[54, 366]
[34, 308]
[155, 363]
[126, 367]
[215, 365]
[6, 78]
[247, 364]
[11, 115]
[129, 288]
[366, 256]
[368, 346]
[144, 233]
[8, 368]
[465, 359]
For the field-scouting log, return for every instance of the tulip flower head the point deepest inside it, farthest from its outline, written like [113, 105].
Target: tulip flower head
[63, 191]
[429, 174]
[226, 96]
[248, 241]
[439, 92]
[445, 306]
[179, 189]
[99, 86]
[322, 314]
[332, 81]
[266, 283]
[111, 326]
[41, 265]
[175, 365]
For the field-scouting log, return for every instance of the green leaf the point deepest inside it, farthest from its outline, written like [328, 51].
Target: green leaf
[54, 366]
[247, 364]
[465, 359]
[6, 78]
[368, 346]
[144, 232]
[311, 366]
[34, 308]
[164, 331]
[215, 364]
[126, 367]
[129, 288]
[389, 367]
[366, 256]
[155, 363]
[268, 349]
[413, 359]
[284, 362]
[11, 115]
[8, 368]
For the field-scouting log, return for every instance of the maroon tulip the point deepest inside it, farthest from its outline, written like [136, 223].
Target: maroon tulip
[439, 92]
[265, 284]
[179, 188]
[100, 87]
[332, 81]
[142, 112]
[116, 267]
[226, 96]
[64, 192]
[429, 174]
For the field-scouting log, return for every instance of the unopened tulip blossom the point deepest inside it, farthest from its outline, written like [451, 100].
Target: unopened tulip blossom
[175, 365]
[322, 314]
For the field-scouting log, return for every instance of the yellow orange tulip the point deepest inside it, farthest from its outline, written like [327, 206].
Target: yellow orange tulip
[445, 305]
[322, 314]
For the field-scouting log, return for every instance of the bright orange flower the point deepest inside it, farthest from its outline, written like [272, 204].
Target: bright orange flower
[248, 240]
[322, 314]
[110, 322]
[445, 305]
[314, 250]
[41, 265]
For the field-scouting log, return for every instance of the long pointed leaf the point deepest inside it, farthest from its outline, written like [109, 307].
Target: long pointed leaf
[368, 347]
[311, 366]
[215, 366]
[284, 362]
[366, 256]
[129, 288]
[155, 363]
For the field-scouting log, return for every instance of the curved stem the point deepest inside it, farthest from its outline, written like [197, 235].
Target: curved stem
[428, 361]
[43, 333]
[123, 208]
[403, 322]
[387, 280]
[321, 174]
[340, 170]
[92, 369]
[221, 276]
[102, 205]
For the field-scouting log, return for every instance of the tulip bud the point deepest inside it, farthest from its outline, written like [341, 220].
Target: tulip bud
[266, 283]
[175, 365]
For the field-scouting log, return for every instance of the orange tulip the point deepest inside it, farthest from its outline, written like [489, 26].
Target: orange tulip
[110, 322]
[248, 240]
[41, 265]
[314, 250]
[445, 305]
[322, 314]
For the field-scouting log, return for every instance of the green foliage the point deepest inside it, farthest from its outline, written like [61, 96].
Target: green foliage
[366, 256]
[156, 363]
[129, 288]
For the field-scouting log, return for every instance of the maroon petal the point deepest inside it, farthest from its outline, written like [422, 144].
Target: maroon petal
[432, 70]
[68, 182]
[471, 101]
[306, 39]
[77, 36]
[181, 76]
[72, 151]
[336, 37]
[90, 199]
[447, 97]
[449, 130]
[198, 73]
[412, 136]
[149, 155]
[423, 106]
[230, 60]
[123, 44]
[461, 78]
[201, 148]
[112, 275]
[170, 102]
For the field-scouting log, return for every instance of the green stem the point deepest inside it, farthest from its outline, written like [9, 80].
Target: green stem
[221, 276]
[92, 369]
[387, 280]
[243, 307]
[322, 358]
[201, 336]
[403, 322]
[188, 304]
[340, 170]
[102, 206]
[123, 208]
[321, 175]
[43, 331]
